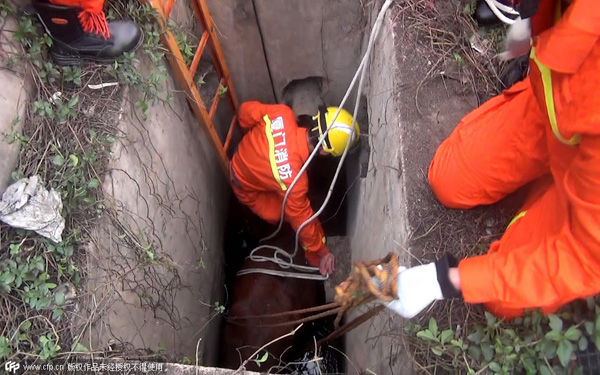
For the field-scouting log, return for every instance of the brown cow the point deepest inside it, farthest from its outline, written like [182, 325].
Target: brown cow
[259, 294]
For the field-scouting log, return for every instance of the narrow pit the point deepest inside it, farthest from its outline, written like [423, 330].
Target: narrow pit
[242, 235]
[304, 55]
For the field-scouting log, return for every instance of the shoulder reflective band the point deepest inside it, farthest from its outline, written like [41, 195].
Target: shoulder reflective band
[517, 217]
[274, 169]
[549, 97]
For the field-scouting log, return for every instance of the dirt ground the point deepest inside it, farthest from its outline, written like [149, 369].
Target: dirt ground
[438, 89]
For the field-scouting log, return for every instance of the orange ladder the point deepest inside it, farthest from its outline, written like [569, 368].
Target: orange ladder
[185, 74]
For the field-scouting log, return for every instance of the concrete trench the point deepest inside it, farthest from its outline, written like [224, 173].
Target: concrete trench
[167, 176]
[313, 49]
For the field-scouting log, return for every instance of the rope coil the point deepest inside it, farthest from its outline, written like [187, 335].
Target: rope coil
[370, 280]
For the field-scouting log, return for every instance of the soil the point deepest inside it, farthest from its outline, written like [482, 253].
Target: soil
[433, 102]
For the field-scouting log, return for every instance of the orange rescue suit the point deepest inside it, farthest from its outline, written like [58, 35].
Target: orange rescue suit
[546, 129]
[266, 163]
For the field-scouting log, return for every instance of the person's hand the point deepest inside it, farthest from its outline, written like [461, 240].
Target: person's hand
[327, 264]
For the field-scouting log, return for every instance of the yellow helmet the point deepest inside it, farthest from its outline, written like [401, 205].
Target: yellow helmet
[339, 131]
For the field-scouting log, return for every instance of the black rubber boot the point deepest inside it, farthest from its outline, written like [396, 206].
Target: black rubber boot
[73, 45]
[514, 72]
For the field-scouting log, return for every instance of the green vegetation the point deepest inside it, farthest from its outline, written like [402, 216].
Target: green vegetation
[67, 136]
[533, 344]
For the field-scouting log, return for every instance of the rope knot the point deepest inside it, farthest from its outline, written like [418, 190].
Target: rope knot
[368, 281]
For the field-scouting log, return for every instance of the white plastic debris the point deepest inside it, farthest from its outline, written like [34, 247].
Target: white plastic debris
[26, 204]
[102, 85]
[477, 44]
[56, 96]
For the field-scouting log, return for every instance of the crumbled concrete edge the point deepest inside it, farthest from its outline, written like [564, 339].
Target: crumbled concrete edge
[84, 365]
[179, 369]
[17, 89]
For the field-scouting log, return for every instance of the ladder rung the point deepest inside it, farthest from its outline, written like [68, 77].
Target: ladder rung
[168, 8]
[229, 133]
[199, 51]
[213, 107]
[201, 10]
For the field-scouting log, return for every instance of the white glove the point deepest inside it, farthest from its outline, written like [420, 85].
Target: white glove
[518, 40]
[417, 287]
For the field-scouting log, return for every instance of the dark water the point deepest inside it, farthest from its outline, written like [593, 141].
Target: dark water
[330, 360]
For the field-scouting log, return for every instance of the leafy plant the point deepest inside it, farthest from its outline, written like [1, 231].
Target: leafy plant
[222, 90]
[57, 110]
[72, 74]
[5, 348]
[17, 136]
[219, 308]
[186, 361]
[187, 49]
[49, 347]
[6, 10]
[533, 344]
[200, 81]
[470, 7]
[458, 59]
[126, 69]
[262, 359]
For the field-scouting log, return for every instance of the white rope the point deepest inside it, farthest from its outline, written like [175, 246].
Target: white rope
[494, 5]
[307, 272]
[360, 71]
[294, 275]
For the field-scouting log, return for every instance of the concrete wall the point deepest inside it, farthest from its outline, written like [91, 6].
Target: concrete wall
[171, 196]
[379, 223]
[393, 201]
[13, 100]
[303, 38]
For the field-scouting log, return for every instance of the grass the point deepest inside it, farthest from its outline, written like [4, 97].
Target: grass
[446, 33]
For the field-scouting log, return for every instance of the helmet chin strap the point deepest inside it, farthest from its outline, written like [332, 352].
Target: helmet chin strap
[322, 126]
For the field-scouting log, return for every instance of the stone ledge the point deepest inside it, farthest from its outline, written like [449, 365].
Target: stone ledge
[16, 89]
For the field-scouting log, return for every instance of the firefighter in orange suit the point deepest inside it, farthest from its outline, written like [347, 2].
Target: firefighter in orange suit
[269, 158]
[546, 130]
